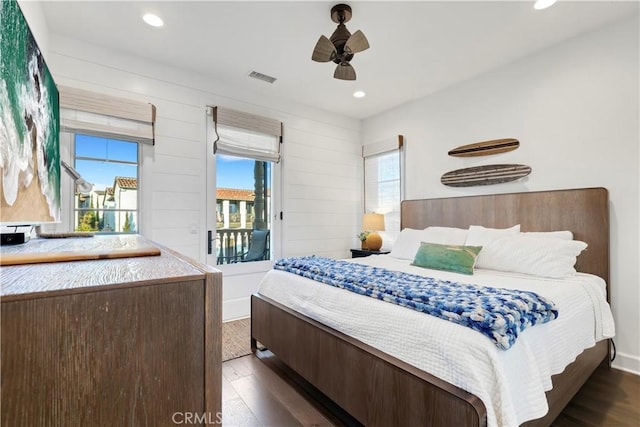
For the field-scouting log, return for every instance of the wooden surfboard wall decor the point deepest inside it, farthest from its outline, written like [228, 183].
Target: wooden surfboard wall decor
[485, 175]
[485, 148]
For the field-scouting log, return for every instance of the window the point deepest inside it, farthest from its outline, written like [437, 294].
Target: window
[247, 152]
[105, 134]
[383, 189]
[111, 165]
[243, 200]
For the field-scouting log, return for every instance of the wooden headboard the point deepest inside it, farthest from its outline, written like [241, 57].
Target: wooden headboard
[583, 211]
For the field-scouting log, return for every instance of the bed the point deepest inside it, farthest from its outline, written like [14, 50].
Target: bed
[377, 388]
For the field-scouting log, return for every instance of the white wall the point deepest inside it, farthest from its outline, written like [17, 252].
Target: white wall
[575, 109]
[321, 165]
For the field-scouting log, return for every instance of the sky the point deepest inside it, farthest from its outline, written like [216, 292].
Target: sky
[101, 173]
[232, 172]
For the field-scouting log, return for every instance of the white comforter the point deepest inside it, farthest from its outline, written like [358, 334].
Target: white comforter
[510, 383]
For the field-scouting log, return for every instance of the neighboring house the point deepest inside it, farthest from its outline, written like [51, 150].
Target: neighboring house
[235, 220]
[114, 205]
[109, 217]
[94, 203]
[234, 207]
[125, 195]
[99, 198]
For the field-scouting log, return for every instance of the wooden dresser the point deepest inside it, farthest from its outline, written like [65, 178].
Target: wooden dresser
[109, 342]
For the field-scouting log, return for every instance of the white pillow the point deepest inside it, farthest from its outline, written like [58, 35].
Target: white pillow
[538, 256]
[408, 242]
[445, 235]
[482, 236]
[564, 235]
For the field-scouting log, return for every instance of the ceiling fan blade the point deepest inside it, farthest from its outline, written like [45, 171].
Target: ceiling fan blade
[356, 43]
[345, 71]
[324, 51]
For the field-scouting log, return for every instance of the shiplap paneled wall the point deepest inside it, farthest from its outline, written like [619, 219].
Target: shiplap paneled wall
[321, 166]
[574, 107]
[331, 205]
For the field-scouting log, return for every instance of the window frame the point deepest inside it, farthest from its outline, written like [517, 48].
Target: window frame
[276, 229]
[375, 151]
[72, 152]
[250, 207]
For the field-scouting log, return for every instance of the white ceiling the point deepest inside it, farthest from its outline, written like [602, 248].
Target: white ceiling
[417, 47]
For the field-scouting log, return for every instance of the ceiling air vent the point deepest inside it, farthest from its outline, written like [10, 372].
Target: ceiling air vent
[263, 77]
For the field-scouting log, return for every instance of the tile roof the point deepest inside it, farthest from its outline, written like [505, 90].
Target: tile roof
[125, 182]
[235, 194]
[221, 193]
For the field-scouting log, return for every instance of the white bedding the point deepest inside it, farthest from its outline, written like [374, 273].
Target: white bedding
[510, 383]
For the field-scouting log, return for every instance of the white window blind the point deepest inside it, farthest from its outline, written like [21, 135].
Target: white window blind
[97, 114]
[246, 135]
[383, 189]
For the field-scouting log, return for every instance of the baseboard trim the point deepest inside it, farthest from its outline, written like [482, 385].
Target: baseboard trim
[627, 362]
[236, 309]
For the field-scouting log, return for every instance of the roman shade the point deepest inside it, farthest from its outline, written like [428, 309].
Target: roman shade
[104, 115]
[246, 135]
[383, 146]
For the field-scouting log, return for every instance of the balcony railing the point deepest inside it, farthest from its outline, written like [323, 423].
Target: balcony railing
[232, 244]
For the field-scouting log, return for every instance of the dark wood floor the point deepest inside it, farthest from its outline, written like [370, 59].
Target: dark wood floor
[261, 392]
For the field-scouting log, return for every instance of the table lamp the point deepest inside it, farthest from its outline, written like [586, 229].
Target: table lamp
[373, 222]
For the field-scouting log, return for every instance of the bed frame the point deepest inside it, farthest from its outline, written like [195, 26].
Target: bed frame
[379, 390]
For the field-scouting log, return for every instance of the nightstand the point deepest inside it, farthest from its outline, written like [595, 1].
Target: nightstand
[359, 253]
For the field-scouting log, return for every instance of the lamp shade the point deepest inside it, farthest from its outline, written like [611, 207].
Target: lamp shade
[373, 222]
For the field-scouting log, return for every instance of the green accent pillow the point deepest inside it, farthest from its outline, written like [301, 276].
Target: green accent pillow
[459, 259]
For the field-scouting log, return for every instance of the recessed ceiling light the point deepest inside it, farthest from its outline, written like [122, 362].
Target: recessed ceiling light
[153, 20]
[543, 4]
[359, 94]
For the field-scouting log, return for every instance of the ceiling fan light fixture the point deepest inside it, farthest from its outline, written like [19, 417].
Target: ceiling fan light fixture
[342, 45]
[324, 51]
[344, 72]
[356, 43]
[341, 13]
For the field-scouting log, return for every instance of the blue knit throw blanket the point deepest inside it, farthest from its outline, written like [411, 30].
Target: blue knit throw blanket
[499, 314]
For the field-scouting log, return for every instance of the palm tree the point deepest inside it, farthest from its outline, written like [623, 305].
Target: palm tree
[260, 221]
[127, 225]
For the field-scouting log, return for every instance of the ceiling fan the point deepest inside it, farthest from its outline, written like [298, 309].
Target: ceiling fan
[342, 45]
